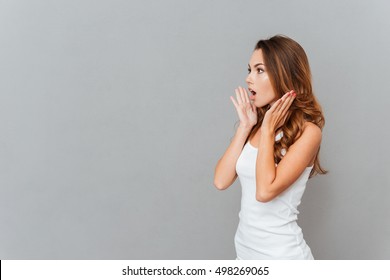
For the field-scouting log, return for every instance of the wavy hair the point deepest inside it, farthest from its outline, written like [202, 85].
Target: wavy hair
[288, 68]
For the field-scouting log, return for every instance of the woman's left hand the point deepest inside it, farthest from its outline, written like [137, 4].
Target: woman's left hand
[275, 117]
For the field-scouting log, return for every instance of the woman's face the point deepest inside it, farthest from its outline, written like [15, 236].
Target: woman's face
[259, 84]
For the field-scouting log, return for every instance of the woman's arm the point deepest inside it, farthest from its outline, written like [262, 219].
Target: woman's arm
[272, 180]
[225, 171]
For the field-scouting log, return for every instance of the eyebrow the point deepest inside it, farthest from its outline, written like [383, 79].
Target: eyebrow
[254, 66]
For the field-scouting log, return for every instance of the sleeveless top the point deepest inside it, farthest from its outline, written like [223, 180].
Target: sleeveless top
[268, 230]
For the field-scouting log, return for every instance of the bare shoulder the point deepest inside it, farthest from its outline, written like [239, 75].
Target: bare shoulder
[311, 135]
[312, 130]
[306, 146]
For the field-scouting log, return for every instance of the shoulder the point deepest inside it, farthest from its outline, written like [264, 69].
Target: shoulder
[312, 129]
[311, 134]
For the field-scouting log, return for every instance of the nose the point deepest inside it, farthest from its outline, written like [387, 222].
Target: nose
[248, 79]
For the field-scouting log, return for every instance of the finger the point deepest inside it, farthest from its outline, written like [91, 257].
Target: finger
[234, 102]
[291, 100]
[245, 95]
[285, 100]
[242, 96]
[275, 107]
[238, 96]
[287, 103]
[287, 94]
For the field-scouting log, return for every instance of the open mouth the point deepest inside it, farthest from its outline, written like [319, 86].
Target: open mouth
[252, 91]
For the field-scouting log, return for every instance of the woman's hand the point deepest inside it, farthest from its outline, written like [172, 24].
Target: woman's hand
[275, 117]
[247, 112]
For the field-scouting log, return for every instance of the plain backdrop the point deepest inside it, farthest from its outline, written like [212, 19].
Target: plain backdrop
[114, 113]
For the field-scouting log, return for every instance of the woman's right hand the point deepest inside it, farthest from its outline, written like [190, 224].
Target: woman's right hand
[247, 111]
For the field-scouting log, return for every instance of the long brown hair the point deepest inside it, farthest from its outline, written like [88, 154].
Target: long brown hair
[288, 68]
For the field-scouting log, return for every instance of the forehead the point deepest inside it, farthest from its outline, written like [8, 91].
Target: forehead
[257, 57]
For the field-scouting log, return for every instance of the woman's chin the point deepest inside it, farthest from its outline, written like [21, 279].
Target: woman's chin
[260, 104]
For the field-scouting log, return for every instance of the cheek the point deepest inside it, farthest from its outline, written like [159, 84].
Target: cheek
[264, 82]
[268, 87]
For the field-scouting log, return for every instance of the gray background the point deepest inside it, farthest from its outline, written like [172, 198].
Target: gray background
[114, 113]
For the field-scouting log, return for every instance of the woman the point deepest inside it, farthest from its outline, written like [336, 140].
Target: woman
[274, 151]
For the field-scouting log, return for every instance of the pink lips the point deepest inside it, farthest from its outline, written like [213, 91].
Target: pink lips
[253, 93]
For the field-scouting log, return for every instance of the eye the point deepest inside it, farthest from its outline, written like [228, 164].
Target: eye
[249, 70]
[259, 70]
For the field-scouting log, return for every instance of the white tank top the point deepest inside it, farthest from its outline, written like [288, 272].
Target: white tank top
[268, 230]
